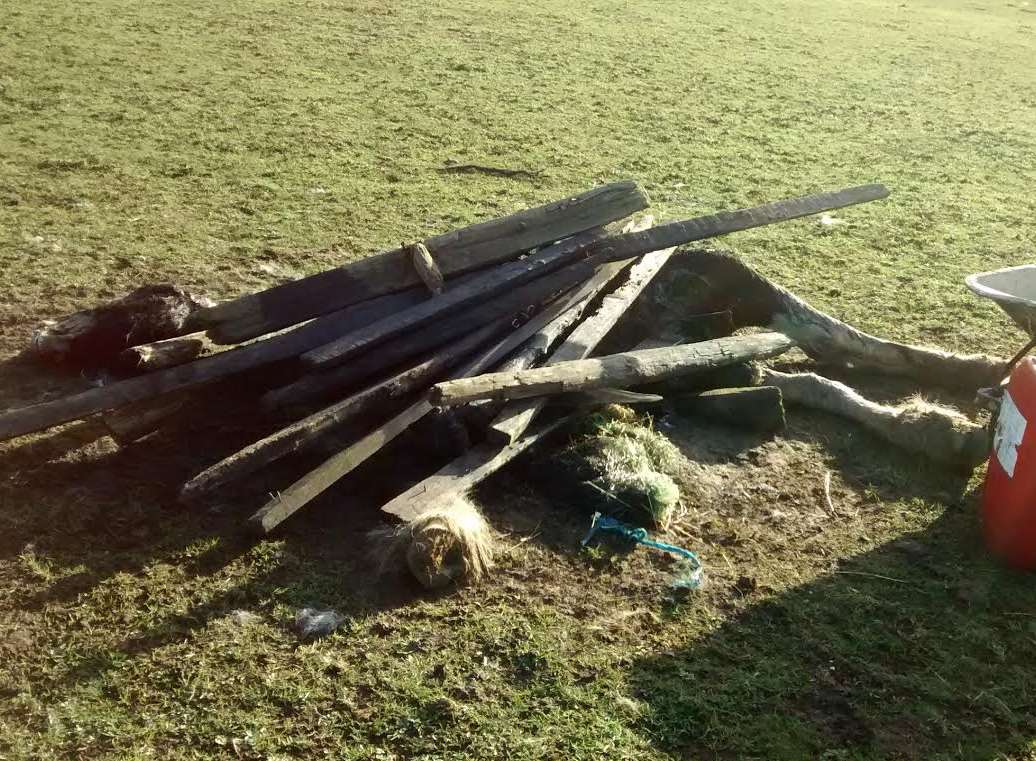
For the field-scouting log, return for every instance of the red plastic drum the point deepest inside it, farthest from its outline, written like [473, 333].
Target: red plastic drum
[1009, 498]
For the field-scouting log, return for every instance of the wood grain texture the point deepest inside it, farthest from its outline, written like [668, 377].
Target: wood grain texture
[455, 252]
[517, 416]
[623, 370]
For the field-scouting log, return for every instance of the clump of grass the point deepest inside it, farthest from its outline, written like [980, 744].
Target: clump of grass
[626, 465]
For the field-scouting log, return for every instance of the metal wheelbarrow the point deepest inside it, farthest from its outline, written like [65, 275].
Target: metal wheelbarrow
[1014, 291]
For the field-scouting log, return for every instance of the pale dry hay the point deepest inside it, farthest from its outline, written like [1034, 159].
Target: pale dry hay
[940, 431]
[631, 463]
[447, 544]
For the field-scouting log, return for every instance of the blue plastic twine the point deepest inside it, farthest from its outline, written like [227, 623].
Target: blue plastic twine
[691, 575]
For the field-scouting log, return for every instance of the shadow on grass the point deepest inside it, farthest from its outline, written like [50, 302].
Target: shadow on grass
[918, 649]
[78, 512]
[909, 650]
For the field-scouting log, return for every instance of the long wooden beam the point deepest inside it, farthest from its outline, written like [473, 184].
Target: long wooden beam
[280, 347]
[623, 246]
[455, 252]
[316, 385]
[495, 282]
[301, 434]
[624, 370]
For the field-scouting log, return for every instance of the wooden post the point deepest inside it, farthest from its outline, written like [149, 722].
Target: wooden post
[470, 248]
[480, 414]
[616, 370]
[135, 421]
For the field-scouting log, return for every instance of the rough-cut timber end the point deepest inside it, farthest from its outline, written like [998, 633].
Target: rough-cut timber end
[426, 268]
[93, 338]
[159, 355]
[257, 524]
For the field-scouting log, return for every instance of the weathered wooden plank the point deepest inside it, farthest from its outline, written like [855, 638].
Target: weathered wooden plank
[516, 417]
[300, 435]
[299, 494]
[672, 234]
[454, 252]
[463, 474]
[616, 370]
[315, 385]
[495, 282]
[623, 246]
[309, 487]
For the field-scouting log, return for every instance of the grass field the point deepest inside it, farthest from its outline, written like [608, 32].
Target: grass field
[228, 145]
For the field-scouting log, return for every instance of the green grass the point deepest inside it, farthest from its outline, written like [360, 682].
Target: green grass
[225, 145]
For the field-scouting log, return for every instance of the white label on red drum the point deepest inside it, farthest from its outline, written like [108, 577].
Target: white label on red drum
[1010, 430]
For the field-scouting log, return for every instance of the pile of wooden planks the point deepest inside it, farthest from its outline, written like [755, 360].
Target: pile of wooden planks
[502, 314]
